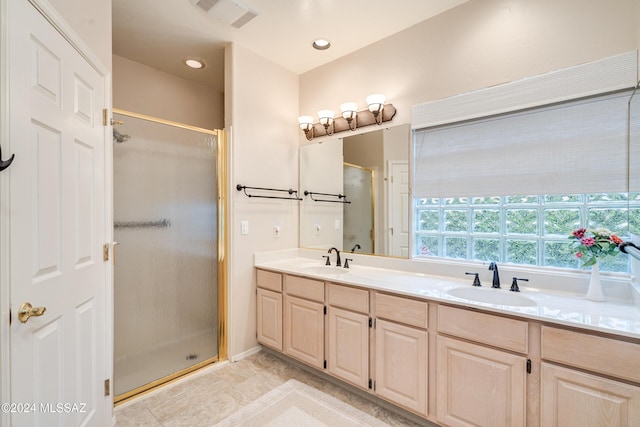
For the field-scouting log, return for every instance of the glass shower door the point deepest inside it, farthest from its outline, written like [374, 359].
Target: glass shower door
[358, 215]
[165, 223]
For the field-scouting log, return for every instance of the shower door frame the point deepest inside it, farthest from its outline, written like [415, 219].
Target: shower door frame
[222, 247]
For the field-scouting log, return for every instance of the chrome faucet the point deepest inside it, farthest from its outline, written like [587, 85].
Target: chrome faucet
[338, 262]
[496, 277]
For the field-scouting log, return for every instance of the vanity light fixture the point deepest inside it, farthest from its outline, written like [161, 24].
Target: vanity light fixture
[375, 104]
[377, 112]
[350, 114]
[306, 124]
[326, 120]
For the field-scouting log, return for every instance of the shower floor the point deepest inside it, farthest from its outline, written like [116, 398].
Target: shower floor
[139, 370]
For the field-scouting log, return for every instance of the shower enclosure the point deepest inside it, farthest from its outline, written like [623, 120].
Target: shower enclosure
[166, 216]
[358, 215]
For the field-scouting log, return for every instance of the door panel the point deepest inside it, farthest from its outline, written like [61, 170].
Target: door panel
[401, 365]
[349, 346]
[57, 226]
[398, 209]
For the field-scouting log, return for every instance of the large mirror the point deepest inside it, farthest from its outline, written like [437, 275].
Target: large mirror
[357, 192]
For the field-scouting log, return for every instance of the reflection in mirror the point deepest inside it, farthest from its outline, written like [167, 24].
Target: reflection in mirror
[372, 170]
[359, 184]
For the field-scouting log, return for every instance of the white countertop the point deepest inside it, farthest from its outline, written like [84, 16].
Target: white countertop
[613, 317]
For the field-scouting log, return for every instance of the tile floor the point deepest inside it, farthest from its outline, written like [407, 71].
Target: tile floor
[212, 394]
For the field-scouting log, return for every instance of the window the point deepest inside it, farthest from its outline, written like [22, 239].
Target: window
[555, 166]
[528, 230]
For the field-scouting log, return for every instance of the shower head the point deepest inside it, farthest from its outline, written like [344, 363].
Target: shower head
[118, 137]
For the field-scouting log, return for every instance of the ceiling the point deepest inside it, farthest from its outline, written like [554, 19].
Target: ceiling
[161, 34]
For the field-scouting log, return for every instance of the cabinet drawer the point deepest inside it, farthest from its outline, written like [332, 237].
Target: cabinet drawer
[269, 280]
[403, 310]
[350, 298]
[502, 332]
[598, 354]
[304, 288]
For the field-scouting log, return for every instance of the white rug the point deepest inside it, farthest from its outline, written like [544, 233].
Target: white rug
[298, 405]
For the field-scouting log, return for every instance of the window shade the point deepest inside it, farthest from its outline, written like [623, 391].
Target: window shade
[568, 148]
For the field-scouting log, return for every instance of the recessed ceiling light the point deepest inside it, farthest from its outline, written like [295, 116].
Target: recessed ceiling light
[195, 63]
[321, 44]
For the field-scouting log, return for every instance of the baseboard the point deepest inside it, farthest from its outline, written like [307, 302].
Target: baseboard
[245, 354]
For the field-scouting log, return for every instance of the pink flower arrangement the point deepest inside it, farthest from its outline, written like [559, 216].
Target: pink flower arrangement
[593, 243]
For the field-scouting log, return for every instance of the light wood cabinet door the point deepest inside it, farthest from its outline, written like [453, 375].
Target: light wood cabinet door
[270, 318]
[401, 365]
[304, 330]
[348, 352]
[575, 399]
[479, 386]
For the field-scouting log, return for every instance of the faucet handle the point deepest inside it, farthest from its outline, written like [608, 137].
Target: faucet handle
[476, 279]
[514, 284]
[346, 262]
[328, 261]
[496, 277]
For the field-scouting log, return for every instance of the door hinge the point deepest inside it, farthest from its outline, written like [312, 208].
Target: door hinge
[10, 315]
[324, 364]
[107, 387]
[105, 252]
[370, 325]
[106, 120]
[370, 384]
[325, 309]
[528, 366]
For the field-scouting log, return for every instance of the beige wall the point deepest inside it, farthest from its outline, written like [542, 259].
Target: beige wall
[478, 44]
[146, 90]
[264, 153]
[91, 20]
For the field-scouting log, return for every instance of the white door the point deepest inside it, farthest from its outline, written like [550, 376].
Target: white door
[57, 228]
[398, 209]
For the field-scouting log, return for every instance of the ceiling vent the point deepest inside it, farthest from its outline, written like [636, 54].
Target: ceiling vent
[229, 12]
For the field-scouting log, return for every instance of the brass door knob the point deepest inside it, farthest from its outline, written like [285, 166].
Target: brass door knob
[27, 310]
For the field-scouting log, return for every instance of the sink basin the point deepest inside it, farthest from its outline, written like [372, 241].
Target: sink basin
[492, 296]
[324, 269]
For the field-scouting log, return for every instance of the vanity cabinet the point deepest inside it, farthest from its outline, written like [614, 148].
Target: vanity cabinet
[269, 309]
[348, 334]
[401, 351]
[304, 320]
[453, 365]
[604, 396]
[481, 378]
